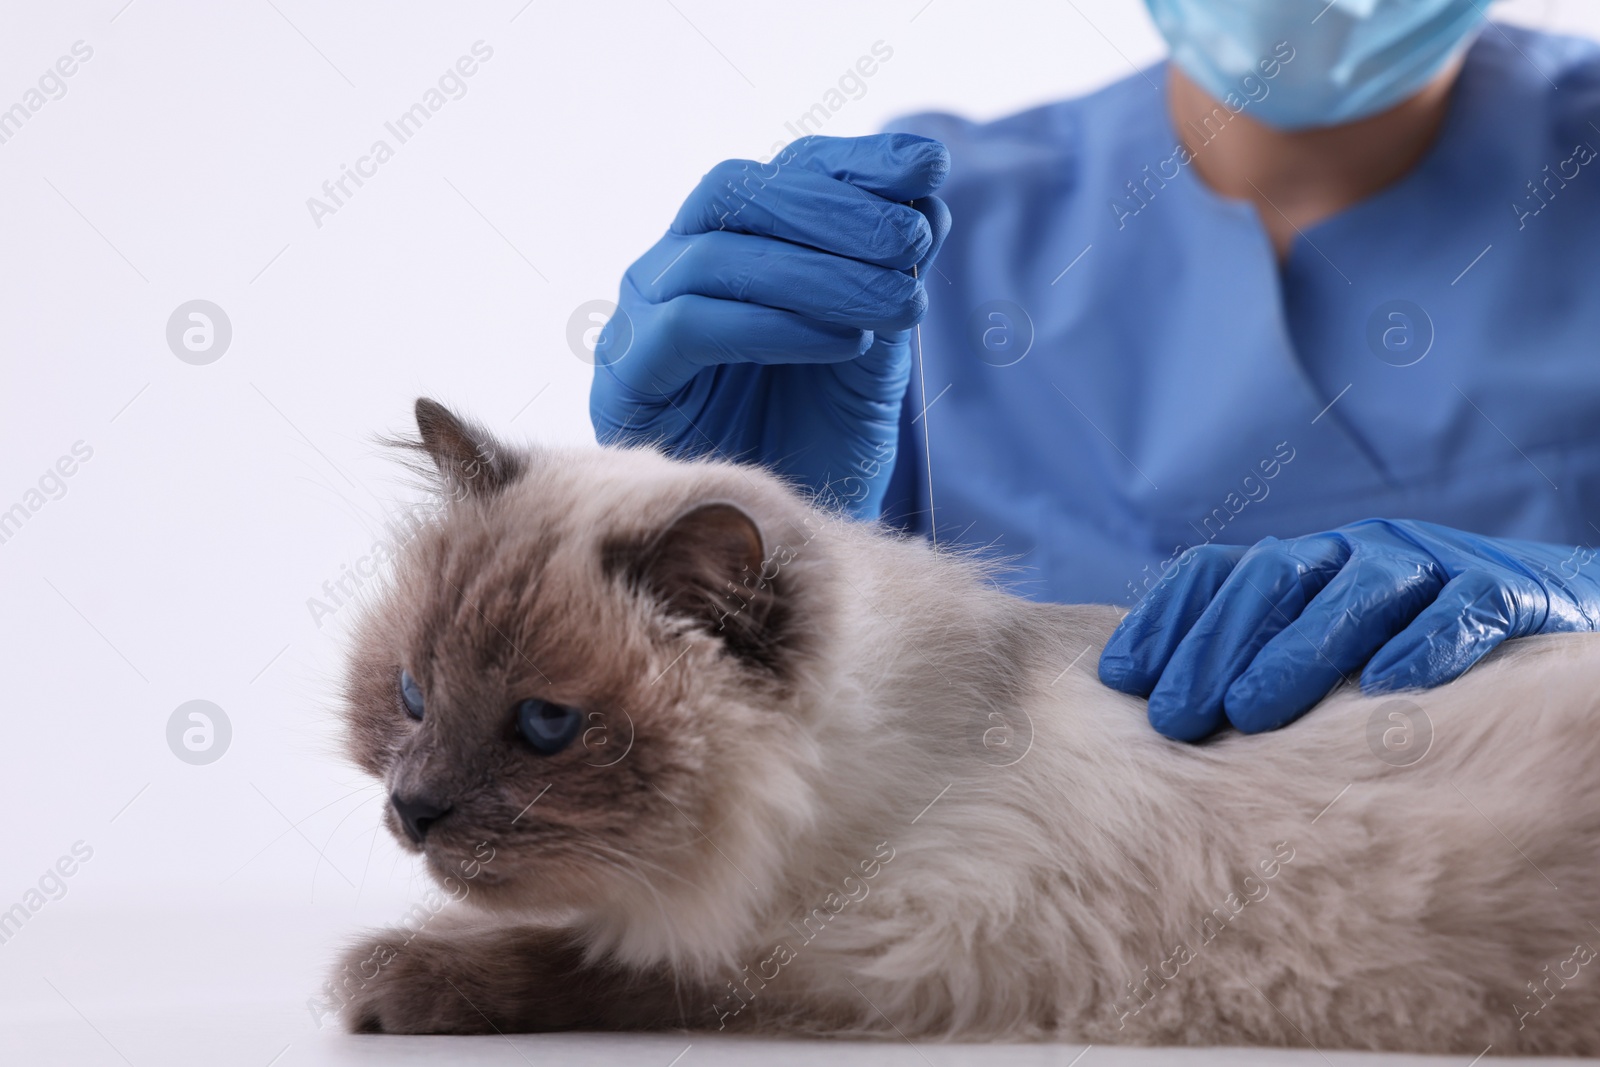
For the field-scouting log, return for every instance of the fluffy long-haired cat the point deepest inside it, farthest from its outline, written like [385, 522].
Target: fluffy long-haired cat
[691, 752]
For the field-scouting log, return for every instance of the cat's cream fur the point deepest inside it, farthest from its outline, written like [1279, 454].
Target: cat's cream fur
[907, 806]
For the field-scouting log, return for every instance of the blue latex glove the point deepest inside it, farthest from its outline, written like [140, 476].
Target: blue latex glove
[772, 322]
[1257, 636]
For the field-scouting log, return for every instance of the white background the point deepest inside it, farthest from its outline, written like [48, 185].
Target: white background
[220, 498]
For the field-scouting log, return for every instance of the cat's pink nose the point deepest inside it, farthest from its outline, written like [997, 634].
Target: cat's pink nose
[417, 814]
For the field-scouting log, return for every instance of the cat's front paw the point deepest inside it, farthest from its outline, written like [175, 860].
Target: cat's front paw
[468, 976]
[400, 984]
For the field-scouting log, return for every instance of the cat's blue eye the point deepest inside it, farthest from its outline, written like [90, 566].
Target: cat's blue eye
[411, 694]
[548, 728]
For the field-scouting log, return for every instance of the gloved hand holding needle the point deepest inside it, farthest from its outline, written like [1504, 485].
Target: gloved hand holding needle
[772, 321]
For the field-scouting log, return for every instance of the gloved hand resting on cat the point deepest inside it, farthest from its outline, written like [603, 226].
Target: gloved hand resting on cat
[772, 321]
[1257, 636]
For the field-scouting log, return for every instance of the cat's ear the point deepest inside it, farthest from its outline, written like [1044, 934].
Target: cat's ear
[469, 459]
[709, 565]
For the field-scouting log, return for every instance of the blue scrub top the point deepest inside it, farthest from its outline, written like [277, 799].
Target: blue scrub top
[1120, 369]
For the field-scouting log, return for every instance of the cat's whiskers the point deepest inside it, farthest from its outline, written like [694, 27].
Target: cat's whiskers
[623, 868]
[640, 862]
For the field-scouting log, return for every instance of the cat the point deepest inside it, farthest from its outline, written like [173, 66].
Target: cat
[693, 752]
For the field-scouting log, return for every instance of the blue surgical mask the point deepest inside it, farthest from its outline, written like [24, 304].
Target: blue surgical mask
[1348, 58]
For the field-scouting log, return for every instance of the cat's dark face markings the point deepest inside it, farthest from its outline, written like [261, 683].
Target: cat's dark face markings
[661, 637]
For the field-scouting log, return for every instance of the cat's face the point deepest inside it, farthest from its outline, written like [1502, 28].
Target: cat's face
[583, 666]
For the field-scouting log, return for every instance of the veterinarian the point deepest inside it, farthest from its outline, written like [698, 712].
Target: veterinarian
[1337, 259]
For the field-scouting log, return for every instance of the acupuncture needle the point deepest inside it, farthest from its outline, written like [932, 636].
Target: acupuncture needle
[927, 442]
